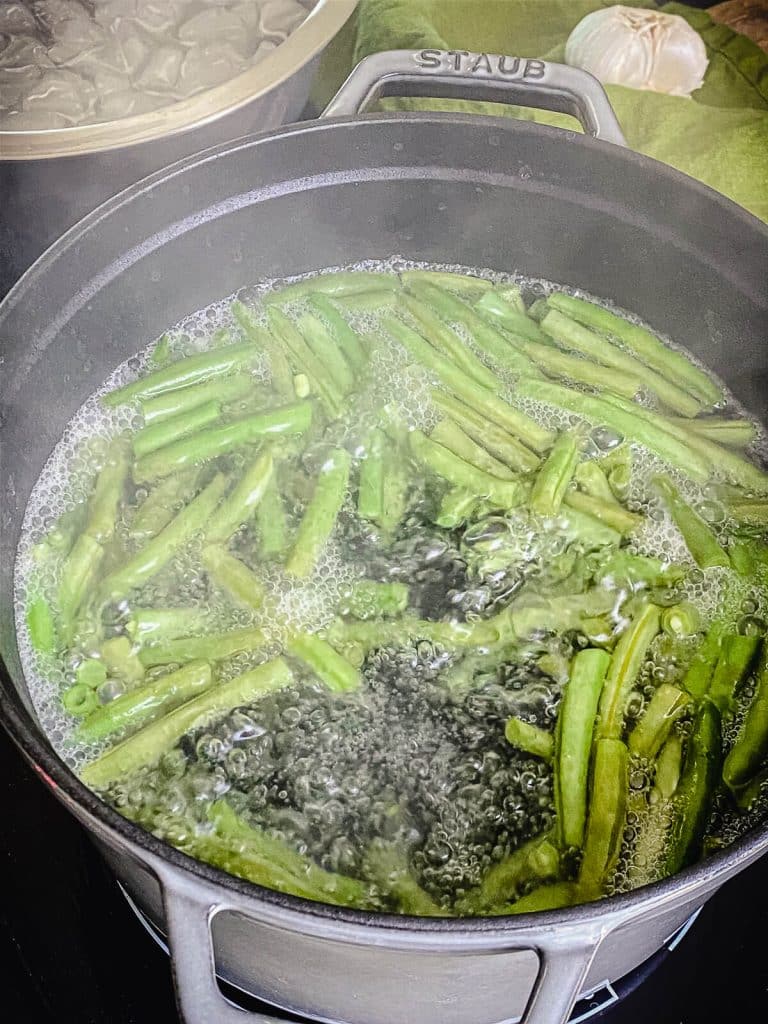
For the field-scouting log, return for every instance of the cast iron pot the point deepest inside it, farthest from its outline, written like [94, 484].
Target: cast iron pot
[459, 188]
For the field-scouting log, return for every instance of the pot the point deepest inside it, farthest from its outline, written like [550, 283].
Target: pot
[485, 192]
[50, 179]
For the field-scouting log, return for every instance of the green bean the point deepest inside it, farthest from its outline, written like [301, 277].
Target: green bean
[456, 507]
[160, 549]
[545, 897]
[580, 371]
[573, 742]
[746, 757]
[608, 512]
[446, 279]
[335, 283]
[408, 630]
[147, 745]
[161, 353]
[673, 365]
[147, 703]
[387, 866]
[79, 700]
[320, 516]
[209, 647]
[640, 570]
[41, 626]
[538, 310]
[322, 343]
[209, 444]
[698, 677]
[696, 789]
[496, 310]
[699, 538]
[486, 337]
[370, 494]
[304, 361]
[280, 369]
[555, 475]
[173, 428]
[106, 497]
[569, 334]
[373, 301]
[233, 576]
[668, 765]
[239, 504]
[271, 522]
[680, 620]
[606, 817]
[369, 599]
[530, 738]
[482, 401]
[158, 508]
[625, 667]
[449, 434]
[536, 860]
[591, 478]
[192, 370]
[91, 672]
[447, 341]
[394, 485]
[734, 433]
[737, 654]
[121, 659]
[666, 705]
[494, 439]
[78, 575]
[164, 623]
[749, 512]
[631, 425]
[512, 295]
[326, 663]
[506, 493]
[62, 535]
[344, 336]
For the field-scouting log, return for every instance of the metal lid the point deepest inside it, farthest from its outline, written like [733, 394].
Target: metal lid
[314, 33]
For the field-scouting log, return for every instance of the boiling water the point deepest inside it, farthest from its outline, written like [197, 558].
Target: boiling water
[410, 756]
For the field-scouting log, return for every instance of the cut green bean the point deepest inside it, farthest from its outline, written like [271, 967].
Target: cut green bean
[370, 494]
[345, 337]
[147, 703]
[373, 301]
[625, 667]
[78, 575]
[505, 493]
[698, 677]
[536, 860]
[104, 502]
[749, 512]
[304, 360]
[41, 626]
[184, 372]
[147, 745]
[640, 570]
[570, 334]
[545, 897]
[457, 506]
[447, 341]
[271, 522]
[210, 647]
[387, 866]
[734, 433]
[699, 538]
[538, 309]
[680, 620]
[160, 549]
[335, 283]
[239, 504]
[737, 654]
[209, 444]
[666, 705]
[592, 479]
[79, 700]
[668, 767]
[278, 364]
[494, 439]
[325, 349]
[446, 279]
[606, 817]
[174, 428]
[746, 757]
[573, 742]
[233, 576]
[151, 624]
[326, 663]
[530, 738]
[161, 504]
[320, 516]
[555, 475]
[576, 369]
[91, 673]
[496, 310]
[369, 599]
[608, 512]
[450, 435]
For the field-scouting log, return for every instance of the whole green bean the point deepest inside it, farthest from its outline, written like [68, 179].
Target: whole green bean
[335, 283]
[446, 279]
[174, 428]
[183, 372]
[150, 624]
[183, 400]
[746, 758]
[607, 815]
[160, 549]
[282, 379]
[163, 501]
[673, 365]
[345, 337]
[233, 576]
[666, 705]
[631, 425]
[573, 742]
[494, 308]
[696, 789]
[370, 494]
[555, 475]
[239, 504]
[208, 647]
[147, 703]
[321, 513]
[447, 341]
[699, 538]
[449, 434]
[147, 745]
[608, 512]
[530, 738]
[737, 654]
[625, 667]
[506, 493]
[570, 334]
[502, 445]
[208, 444]
[326, 663]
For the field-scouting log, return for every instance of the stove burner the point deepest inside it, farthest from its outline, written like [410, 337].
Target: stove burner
[593, 1006]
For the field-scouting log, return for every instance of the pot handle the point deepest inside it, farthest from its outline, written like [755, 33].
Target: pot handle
[459, 74]
[565, 954]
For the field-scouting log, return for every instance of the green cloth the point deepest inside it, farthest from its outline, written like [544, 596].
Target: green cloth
[719, 136]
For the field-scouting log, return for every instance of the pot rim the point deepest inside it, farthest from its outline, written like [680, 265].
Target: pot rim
[700, 878]
[317, 30]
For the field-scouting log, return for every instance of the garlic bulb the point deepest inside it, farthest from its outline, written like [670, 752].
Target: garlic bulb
[639, 48]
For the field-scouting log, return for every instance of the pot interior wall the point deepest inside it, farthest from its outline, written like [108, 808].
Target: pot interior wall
[484, 193]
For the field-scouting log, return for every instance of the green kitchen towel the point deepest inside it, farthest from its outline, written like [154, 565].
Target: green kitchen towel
[720, 136]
